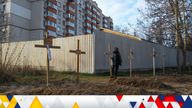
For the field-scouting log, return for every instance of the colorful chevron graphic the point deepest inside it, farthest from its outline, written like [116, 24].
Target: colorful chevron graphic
[104, 101]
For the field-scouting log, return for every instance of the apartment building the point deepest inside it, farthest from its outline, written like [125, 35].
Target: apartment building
[29, 19]
[22, 19]
[107, 22]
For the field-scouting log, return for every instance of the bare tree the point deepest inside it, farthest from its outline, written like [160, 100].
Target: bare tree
[168, 22]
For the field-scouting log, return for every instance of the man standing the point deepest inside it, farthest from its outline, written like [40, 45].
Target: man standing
[116, 59]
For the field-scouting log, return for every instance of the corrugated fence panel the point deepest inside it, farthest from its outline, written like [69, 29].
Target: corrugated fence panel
[25, 54]
[143, 52]
[63, 60]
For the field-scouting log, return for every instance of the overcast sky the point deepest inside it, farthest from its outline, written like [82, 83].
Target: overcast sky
[122, 11]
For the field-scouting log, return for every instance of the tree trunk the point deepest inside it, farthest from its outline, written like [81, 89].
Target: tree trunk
[177, 34]
[185, 35]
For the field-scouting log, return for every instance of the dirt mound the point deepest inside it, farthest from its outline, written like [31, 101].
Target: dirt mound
[149, 83]
[5, 78]
[137, 85]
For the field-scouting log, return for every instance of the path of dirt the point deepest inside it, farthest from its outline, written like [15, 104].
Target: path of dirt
[180, 84]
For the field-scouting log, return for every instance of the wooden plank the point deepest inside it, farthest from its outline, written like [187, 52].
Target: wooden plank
[44, 46]
[48, 41]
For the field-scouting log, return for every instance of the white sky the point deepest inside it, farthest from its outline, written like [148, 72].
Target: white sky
[122, 11]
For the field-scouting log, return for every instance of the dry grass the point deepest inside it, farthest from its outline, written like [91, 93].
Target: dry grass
[64, 84]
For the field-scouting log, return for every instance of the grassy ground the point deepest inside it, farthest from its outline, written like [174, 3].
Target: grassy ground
[64, 83]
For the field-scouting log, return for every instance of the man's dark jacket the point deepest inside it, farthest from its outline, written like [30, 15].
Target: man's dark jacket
[116, 58]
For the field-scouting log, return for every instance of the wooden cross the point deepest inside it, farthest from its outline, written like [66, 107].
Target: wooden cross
[78, 52]
[163, 60]
[109, 54]
[154, 55]
[48, 46]
[130, 61]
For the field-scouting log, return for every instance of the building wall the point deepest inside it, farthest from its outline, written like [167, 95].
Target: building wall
[37, 20]
[23, 21]
[80, 16]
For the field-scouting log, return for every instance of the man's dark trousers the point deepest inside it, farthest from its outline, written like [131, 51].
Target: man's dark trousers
[115, 69]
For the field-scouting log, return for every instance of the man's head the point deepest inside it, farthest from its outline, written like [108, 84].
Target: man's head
[116, 49]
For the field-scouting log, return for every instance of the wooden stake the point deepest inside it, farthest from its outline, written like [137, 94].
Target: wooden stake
[110, 61]
[78, 52]
[130, 61]
[190, 66]
[163, 61]
[47, 68]
[154, 54]
[109, 54]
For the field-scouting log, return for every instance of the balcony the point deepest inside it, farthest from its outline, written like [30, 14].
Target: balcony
[70, 32]
[70, 4]
[51, 28]
[95, 24]
[88, 21]
[88, 15]
[70, 12]
[94, 12]
[50, 23]
[94, 17]
[88, 31]
[70, 25]
[88, 8]
[98, 20]
[51, 9]
[71, 9]
[53, 1]
[70, 19]
[50, 18]
[51, 33]
[52, 5]
[88, 28]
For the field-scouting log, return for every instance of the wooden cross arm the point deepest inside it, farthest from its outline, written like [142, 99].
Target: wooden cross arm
[83, 52]
[107, 53]
[77, 51]
[44, 46]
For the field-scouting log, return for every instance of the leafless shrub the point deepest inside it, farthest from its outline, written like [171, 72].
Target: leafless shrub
[10, 64]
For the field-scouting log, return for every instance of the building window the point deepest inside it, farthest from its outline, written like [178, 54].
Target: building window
[59, 4]
[88, 18]
[50, 23]
[52, 33]
[71, 24]
[64, 22]
[71, 31]
[59, 28]
[70, 16]
[94, 27]
[94, 21]
[59, 20]
[52, 5]
[88, 31]
[88, 25]
[52, 14]
[59, 13]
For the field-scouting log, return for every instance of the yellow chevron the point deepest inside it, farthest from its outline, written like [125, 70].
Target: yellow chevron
[4, 98]
[76, 105]
[13, 103]
[36, 103]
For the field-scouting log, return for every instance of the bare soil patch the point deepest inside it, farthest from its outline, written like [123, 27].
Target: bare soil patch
[65, 84]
